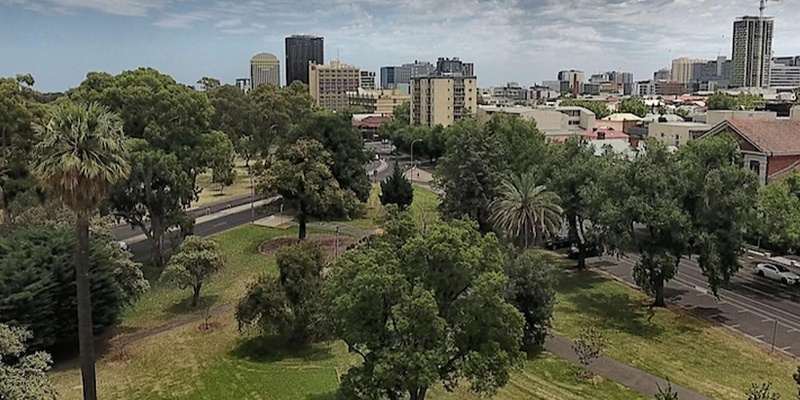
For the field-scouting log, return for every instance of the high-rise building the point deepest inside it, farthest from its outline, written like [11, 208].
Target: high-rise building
[683, 69]
[329, 84]
[302, 50]
[388, 77]
[243, 84]
[662, 75]
[367, 80]
[718, 71]
[377, 101]
[469, 69]
[571, 81]
[444, 96]
[786, 73]
[752, 51]
[265, 68]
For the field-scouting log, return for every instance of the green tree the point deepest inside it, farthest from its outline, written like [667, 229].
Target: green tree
[600, 109]
[526, 212]
[289, 305]
[209, 83]
[778, 208]
[441, 317]
[22, 376]
[223, 167]
[722, 101]
[530, 290]
[749, 101]
[344, 145]
[647, 193]
[301, 174]
[278, 111]
[235, 114]
[397, 189]
[402, 113]
[682, 112]
[170, 123]
[577, 183]
[37, 281]
[81, 156]
[718, 198]
[633, 105]
[193, 265]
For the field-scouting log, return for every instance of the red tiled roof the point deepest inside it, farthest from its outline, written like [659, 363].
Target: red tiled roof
[610, 133]
[775, 136]
[371, 122]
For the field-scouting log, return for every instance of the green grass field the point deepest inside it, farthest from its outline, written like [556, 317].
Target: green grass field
[211, 192]
[188, 363]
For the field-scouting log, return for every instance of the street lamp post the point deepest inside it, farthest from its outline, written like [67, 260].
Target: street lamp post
[412, 158]
[252, 194]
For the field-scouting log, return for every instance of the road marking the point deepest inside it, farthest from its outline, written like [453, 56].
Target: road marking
[700, 289]
[220, 224]
[741, 311]
[792, 330]
[786, 348]
[759, 336]
[733, 326]
[767, 320]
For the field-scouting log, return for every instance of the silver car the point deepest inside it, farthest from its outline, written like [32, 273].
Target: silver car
[778, 273]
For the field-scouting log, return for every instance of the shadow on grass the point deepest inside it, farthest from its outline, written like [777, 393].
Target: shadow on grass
[324, 396]
[185, 306]
[271, 349]
[610, 310]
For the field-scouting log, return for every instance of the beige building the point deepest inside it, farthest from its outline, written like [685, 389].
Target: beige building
[265, 68]
[676, 133]
[329, 84]
[578, 117]
[547, 120]
[443, 100]
[682, 69]
[714, 117]
[377, 101]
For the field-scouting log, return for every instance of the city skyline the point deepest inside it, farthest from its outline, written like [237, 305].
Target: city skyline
[59, 41]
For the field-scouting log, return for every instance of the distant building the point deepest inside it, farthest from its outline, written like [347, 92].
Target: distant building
[670, 88]
[444, 96]
[388, 80]
[578, 117]
[785, 72]
[367, 80]
[552, 85]
[302, 50]
[752, 51]
[662, 75]
[511, 91]
[329, 84]
[571, 81]
[265, 68]
[542, 93]
[712, 74]
[683, 69]
[676, 133]
[644, 89]
[377, 101]
[469, 69]
[243, 84]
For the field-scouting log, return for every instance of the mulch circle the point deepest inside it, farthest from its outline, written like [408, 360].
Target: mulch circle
[270, 247]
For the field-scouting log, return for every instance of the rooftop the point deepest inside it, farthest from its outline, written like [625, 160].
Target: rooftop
[777, 137]
[622, 117]
[685, 124]
[603, 133]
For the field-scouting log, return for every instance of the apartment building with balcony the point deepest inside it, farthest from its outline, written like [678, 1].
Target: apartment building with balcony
[445, 96]
[377, 101]
[329, 84]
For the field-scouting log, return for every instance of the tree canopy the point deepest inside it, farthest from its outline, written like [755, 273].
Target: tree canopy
[193, 265]
[599, 108]
[633, 105]
[23, 376]
[443, 316]
[397, 189]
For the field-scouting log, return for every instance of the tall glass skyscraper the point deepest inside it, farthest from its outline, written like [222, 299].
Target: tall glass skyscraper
[300, 51]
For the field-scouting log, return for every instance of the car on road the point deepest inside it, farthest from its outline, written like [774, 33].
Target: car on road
[123, 246]
[558, 242]
[592, 250]
[778, 273]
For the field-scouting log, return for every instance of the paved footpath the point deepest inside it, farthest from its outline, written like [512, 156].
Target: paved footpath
[624, 374]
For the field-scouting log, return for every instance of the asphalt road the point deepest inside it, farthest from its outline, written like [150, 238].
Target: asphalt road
[762, 309]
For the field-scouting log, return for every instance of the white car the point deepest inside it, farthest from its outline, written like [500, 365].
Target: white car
[123, 246]
[778, 273]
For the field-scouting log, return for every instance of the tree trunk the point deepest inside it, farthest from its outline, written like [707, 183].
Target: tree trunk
[418, 394]
[573, 229]
[660, 295]
[301, 220]
[196, 294]
[157, 243]
[84, 298]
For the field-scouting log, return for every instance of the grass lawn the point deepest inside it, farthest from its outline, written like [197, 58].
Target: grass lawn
[670, 343]
[424, 207]
[211, 194]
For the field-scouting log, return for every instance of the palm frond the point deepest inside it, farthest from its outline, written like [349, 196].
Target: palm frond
[525, 211]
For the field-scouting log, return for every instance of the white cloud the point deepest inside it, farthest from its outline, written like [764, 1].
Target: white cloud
[228, 23]
[181, 21]
[116, 7]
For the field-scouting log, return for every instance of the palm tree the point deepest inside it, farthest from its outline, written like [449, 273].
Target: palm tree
[81, 156]
[525, 211]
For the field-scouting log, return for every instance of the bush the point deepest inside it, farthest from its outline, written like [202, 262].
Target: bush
[530, 290]
[37, 283]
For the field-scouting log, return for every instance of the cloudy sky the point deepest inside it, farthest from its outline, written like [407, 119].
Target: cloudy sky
[526, 41]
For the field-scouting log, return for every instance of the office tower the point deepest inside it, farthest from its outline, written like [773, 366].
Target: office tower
[683, 69]
[752, 51]
[329, 84]
[444, 96]
[302, 50]
[571, 81]
[367, 80]
[265, 68]
[388, 80]
[785, 72]
[662, 75]
[469, 69]
[243, 84]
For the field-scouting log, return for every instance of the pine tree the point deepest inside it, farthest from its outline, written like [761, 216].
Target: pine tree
[397, 189]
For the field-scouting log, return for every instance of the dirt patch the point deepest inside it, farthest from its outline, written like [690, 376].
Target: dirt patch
[328, 242]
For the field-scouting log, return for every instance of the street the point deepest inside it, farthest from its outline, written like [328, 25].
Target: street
[763, 310]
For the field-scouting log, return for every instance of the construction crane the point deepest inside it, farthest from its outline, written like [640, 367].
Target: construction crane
[762, 7]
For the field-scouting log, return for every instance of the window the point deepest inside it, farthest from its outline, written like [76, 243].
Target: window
[755, 166]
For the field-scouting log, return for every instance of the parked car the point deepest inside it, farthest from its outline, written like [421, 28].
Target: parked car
[778, 273]
[592, 250]
[558, 242]
[123, 246]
